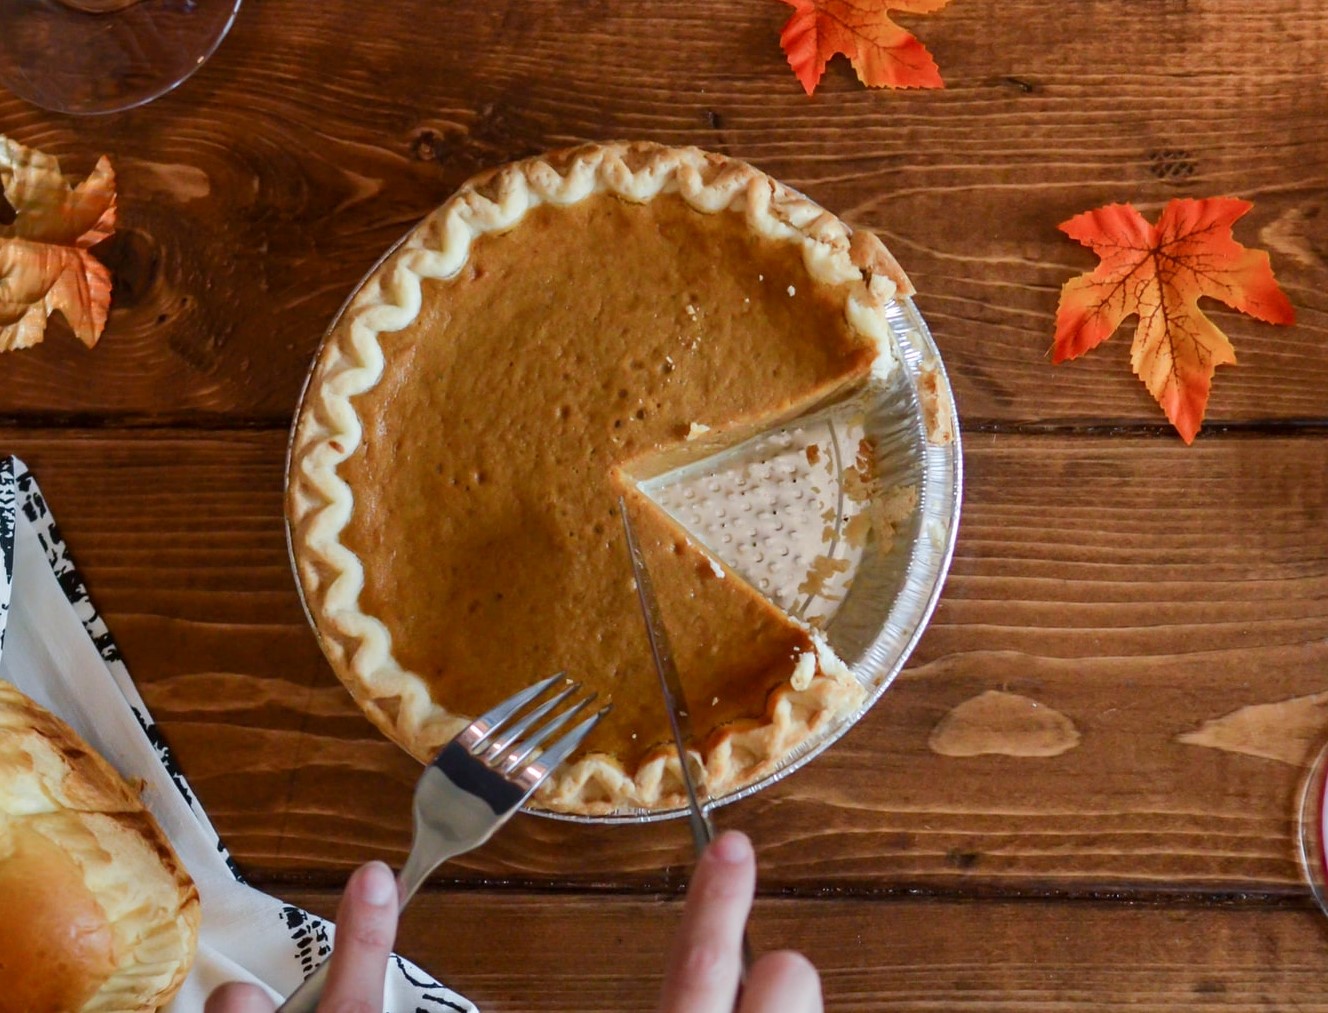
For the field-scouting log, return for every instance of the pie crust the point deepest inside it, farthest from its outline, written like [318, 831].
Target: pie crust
[851, 270]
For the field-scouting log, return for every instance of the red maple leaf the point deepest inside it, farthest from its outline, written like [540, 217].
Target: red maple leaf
[882, 53]
[1159, 272]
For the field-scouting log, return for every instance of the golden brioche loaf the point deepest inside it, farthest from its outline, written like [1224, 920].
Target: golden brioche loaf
[96, 911]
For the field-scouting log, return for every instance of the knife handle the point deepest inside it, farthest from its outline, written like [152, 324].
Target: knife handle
[703, 832]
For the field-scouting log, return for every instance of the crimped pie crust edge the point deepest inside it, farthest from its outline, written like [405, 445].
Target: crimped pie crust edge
[327, 431]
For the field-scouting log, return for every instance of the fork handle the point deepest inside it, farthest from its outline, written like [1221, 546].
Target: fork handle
[417, 868]
[419, 863]
[305, 998]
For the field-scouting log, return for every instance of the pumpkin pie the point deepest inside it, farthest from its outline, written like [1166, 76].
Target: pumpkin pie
[561, 328]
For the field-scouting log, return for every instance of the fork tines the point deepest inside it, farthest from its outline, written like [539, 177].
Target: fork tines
[500, 744]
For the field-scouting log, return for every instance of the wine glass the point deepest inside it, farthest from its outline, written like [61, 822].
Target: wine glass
[1312, 836]
[101, 56]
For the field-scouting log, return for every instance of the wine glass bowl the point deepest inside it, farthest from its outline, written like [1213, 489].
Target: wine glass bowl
[1311, 829]
[101, 56]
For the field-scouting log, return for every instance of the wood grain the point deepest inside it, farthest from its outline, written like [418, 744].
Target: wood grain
[1135, 586]
[509, 953]
[256, 196]
[1079, 793]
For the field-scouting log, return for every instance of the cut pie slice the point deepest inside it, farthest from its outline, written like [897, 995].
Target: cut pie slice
[555, 331]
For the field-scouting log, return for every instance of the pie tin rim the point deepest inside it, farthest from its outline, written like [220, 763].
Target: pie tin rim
[939, 501]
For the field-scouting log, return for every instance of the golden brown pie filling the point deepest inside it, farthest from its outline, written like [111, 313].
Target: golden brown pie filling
[486, 492]
[555, 330]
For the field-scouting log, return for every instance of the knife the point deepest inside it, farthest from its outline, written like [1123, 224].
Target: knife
[675, 703]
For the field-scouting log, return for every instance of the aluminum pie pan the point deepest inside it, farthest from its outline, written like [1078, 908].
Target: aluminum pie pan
[914, 424]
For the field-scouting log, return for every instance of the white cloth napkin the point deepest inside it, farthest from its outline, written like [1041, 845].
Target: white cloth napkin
[57, 650]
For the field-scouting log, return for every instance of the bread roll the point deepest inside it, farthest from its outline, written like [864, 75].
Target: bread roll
[96, 911]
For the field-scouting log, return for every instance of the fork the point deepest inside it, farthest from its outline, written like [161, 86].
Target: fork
[474, 784]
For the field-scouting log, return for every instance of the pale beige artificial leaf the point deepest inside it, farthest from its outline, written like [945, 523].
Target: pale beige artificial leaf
[45, 263]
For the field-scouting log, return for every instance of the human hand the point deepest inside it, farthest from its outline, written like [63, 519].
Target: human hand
[366, 926]
[705, 964]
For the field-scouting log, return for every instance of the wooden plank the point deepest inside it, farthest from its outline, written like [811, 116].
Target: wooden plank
[511, 953]
[1135, 587]
[255, 196]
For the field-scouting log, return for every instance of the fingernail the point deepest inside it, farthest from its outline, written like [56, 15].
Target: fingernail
[375, 884]
[732, 846]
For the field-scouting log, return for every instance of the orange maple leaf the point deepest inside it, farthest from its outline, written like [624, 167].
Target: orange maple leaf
[45, 265]
[1159, 272]
[883, 54]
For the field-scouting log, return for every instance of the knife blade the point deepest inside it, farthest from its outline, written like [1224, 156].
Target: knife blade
[675, 701]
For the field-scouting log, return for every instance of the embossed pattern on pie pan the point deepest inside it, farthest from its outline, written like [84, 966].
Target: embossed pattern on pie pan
[873, 624]
[910, 419]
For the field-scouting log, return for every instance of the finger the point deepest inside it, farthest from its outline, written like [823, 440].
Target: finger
[366, 926]
[782, 981]
[706, 960]
[238, 997]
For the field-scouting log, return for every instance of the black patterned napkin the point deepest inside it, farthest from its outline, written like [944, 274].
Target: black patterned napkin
[57, 650]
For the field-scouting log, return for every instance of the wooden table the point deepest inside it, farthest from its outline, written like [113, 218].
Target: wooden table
[1170, 602]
